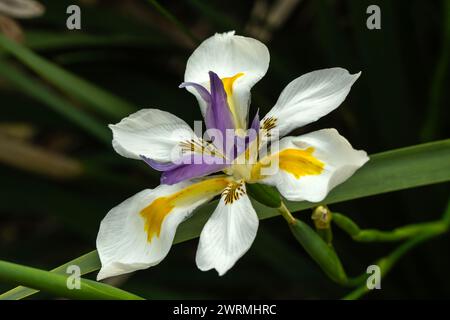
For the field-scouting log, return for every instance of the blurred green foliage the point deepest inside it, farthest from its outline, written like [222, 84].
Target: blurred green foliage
[131, 53]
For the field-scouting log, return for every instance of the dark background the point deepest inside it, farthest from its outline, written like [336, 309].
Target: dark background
[401, 99]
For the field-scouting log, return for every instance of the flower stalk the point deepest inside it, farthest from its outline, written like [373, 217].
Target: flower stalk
[284, 211]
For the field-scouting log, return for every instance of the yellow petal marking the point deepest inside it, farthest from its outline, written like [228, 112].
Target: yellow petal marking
[297, 162]
[155, 213]
[300, 163]
[228, 86]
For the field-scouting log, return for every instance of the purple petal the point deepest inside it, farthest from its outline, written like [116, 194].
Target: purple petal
[195, 170]
[210, 120]
[219, 105]
[219, 113]
[200, 89]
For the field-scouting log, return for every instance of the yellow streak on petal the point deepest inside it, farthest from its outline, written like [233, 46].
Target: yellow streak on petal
[300, 163]
[297, 162]
[228, 86]
[155, 213]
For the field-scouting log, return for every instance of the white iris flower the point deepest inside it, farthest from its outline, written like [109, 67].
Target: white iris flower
[139, 232]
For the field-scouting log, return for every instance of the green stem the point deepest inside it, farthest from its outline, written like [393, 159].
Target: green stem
[284, 211]
[389, 261]
[398, 234]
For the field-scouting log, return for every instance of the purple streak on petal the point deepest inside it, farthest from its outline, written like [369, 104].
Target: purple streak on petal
[239, 145]
[194, 170]
[254, 130]
[242, 143]
[219, 106]
[255, 123]
[210, 121]
[219, 115]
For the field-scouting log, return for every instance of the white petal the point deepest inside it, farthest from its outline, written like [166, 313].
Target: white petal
[337, 156]
[310, 97]
[152, 133]
[227, 54]
[123, 242]
[228, 234]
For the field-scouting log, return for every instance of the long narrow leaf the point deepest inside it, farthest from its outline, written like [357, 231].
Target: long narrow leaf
[53, 100]
[101, 100]
[87, 263]
[57, 283]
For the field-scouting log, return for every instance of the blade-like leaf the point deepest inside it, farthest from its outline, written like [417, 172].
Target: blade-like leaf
[57, 284]
[101, 100]
[53, 100]
[385, 172]
[87, 263]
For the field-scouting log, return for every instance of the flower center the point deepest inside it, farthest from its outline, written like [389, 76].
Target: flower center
[241, 171]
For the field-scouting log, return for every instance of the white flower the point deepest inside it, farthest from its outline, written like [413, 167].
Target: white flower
[139, 232]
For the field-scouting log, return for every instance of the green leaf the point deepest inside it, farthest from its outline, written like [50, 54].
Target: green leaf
[42, 93]
[385, 172]
[87, 263]
[103, 101]
[56, 283]
[319, 250]
[267, 195]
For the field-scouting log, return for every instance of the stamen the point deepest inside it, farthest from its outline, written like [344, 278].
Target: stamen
[200, 147]
[268, 124]
[233, 192]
